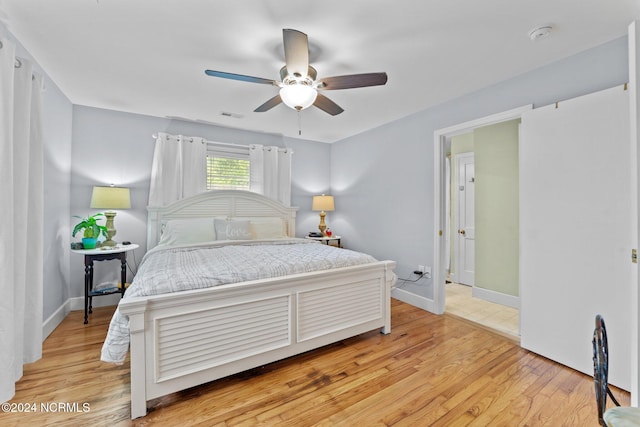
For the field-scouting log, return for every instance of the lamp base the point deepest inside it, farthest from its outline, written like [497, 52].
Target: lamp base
[322, 226]
[108, 243]
[111, 230]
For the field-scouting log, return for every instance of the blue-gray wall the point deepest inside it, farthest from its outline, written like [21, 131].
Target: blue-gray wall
[112, 147]
[383, 178]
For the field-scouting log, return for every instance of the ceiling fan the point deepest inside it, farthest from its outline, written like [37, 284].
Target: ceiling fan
[299, 86]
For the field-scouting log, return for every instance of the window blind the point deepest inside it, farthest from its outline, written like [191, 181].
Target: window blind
[228, 168]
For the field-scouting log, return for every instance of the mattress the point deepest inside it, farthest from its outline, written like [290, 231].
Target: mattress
[167, 269]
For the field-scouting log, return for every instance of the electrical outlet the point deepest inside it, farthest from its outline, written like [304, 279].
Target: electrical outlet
[424, 271]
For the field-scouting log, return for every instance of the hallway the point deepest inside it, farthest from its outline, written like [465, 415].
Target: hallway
[499, 317]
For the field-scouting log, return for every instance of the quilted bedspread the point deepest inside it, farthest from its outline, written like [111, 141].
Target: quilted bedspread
[178, 268]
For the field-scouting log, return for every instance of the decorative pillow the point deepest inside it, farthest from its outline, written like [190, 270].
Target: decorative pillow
[232, 230]
[185, 231]
[267, 228]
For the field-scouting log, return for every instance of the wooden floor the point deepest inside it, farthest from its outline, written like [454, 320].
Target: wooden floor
[430, 371]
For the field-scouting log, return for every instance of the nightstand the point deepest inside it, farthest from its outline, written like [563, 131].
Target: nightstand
[326, 239]
[102, 254]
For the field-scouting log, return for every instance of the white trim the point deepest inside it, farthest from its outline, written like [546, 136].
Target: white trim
[634, 100]
[55, 319]
[74, 304]
[439, 137]
[465, 127]
[413, 299]
[495, 297]
[77, 303]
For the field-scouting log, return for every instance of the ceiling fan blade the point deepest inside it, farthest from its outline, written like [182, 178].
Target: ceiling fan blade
[240, 77]
[327, 105]
[269, 104]
[296, 52]
[353, 81]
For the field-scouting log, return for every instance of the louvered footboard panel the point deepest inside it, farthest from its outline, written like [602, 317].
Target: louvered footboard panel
[191, 342]
[330, 309]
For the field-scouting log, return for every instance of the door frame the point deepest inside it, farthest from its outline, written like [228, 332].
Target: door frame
[633, 34]
[440, 137]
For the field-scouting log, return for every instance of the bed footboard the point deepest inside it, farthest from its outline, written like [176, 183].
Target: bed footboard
[189, 338]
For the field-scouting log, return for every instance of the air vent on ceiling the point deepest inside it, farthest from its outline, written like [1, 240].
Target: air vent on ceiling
[228, 114]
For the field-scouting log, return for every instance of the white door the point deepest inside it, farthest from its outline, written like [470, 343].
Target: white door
[465, 244]
[576, 222]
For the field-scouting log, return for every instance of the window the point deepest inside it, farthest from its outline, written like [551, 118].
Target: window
[228, 168]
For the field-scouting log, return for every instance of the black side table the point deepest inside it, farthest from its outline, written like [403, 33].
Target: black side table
[102, 254]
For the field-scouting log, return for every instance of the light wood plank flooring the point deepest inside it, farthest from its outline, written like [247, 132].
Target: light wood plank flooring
[461, 303]
[430, 371]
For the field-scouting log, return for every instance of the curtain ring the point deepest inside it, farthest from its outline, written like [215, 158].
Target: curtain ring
[1, 45]
[18, 63]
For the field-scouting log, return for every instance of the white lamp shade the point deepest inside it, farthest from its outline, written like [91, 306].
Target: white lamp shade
[298, 96]
[323, 203]
[110, 198]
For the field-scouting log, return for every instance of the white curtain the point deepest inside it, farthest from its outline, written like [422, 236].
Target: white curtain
[21, 217]
[178, 169]
[271, 172]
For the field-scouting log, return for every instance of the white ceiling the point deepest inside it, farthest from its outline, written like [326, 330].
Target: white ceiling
[149, 56]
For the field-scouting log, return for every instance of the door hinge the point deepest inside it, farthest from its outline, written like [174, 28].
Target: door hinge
[634, 256]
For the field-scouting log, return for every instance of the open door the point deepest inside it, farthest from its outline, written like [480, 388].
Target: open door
[576, 214]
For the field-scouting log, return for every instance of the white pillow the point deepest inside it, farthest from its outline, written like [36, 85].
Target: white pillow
[232, 230]
[267, 228]
[185, 231]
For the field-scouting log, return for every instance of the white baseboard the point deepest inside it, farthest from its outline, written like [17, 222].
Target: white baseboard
[74, 304]
[497, 297]
[413, 299]
[55, 319]
[77, 303]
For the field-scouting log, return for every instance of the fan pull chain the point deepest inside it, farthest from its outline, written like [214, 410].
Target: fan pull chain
[299, 122]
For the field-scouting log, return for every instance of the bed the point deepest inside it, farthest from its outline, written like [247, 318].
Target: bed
[190, 337]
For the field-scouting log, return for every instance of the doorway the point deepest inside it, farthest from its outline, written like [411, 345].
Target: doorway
[441, 272]
[486, 188]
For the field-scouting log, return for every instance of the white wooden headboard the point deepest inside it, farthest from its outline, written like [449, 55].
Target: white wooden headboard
[218, 203]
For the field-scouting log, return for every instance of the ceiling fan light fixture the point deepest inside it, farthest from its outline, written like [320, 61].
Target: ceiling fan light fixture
[298, 94]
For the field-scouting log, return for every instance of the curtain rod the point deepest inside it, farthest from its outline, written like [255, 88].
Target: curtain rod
[204, 141]
[17, 63]
[219, 144]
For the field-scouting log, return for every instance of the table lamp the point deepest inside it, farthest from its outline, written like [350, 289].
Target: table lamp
[110, 198]
[323, 203]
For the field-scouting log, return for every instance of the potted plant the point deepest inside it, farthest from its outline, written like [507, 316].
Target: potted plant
[92, 230]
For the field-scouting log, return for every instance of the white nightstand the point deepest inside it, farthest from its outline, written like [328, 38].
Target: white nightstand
[326, 239]
[102, 254]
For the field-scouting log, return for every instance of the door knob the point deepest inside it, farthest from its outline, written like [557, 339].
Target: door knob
[462, 232]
